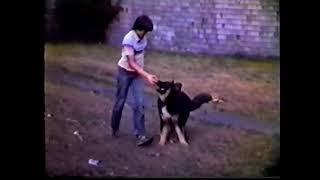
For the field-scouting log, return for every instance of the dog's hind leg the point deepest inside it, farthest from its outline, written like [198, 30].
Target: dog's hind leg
[182, 138]
[180, 127]
[164, 133]
[185, 134]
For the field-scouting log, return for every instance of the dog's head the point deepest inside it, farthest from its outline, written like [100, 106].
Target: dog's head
[165, 87]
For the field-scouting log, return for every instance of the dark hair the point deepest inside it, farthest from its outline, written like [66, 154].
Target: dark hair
[143, 22]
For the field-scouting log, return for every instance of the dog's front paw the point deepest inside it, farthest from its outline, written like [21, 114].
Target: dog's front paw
[162, 143]
[185, 143]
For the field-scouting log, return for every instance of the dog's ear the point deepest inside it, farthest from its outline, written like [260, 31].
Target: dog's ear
[171, 83]
[178, 86]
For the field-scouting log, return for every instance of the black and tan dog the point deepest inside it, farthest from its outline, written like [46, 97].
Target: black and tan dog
[174, 107]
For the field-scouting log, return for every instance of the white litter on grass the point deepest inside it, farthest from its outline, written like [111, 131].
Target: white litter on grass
[76, 133]
[72, 120]
[93, 162]
[153, 154]
[49, 115]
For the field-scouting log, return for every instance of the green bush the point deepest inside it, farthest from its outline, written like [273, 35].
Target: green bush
[83, 20]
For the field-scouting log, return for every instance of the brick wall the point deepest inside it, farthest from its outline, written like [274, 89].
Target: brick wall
[211, 27]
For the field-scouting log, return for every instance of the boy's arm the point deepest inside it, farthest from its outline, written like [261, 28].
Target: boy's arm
[152, 79]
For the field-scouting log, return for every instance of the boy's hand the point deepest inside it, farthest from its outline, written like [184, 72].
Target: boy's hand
[152, 79]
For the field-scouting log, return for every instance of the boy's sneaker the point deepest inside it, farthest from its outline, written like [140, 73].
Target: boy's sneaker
[144, 140]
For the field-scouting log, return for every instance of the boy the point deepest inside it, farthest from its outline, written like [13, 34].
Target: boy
[131, 74]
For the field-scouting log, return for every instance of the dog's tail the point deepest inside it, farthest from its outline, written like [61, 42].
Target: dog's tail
[200, 99]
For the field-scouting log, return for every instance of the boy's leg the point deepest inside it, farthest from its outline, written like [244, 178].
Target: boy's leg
[137, 90]
[138, 112]
[123, 82]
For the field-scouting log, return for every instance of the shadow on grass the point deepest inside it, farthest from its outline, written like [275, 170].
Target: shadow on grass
[273, 170]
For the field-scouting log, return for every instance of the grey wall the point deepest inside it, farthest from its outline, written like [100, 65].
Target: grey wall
[212, 27]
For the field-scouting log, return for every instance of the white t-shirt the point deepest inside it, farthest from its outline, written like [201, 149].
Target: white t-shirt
[132, 40]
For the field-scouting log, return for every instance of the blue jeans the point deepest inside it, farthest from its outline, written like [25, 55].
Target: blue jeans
[126, 79]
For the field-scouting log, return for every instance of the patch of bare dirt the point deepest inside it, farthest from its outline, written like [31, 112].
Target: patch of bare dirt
[213, 152]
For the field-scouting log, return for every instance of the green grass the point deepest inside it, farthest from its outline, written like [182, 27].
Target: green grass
[251, 87]
[95, 51]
